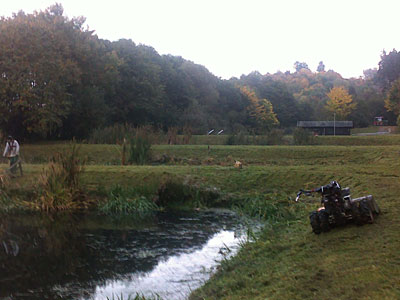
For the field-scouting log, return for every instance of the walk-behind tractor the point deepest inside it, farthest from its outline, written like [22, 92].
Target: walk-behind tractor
[339, 208]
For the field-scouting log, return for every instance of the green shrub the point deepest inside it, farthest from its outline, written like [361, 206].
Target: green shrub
[303, 137]
[111, 135]
[275, 137]
[117, 133]
[230, 140]
[241, 138]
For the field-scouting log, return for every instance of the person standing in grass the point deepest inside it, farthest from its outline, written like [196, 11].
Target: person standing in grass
[12, 153]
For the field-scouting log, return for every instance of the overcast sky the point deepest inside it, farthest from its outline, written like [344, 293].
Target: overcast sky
[231, 38]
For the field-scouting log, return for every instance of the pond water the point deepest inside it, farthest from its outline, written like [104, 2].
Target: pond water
[95, 257]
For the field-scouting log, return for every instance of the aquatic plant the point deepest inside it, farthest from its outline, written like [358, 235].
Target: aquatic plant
[128, 201]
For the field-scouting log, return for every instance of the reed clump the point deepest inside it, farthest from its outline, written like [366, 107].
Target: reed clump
[58, 186]
[140, 148]
[127, 201]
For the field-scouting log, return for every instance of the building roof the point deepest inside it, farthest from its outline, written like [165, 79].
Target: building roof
[309, 124]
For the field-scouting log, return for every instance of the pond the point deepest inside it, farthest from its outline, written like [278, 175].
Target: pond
[97, 257]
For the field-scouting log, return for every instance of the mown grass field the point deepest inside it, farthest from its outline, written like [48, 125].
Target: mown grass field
[287, 261]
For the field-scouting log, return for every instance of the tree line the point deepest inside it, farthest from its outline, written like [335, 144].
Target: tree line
[58, 80]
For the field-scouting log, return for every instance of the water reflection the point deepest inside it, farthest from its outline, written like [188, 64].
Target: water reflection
[91, 257]
[175, 277]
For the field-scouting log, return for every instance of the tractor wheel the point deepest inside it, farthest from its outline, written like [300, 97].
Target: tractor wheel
[324, 220]
[314, 221]
[365, 213]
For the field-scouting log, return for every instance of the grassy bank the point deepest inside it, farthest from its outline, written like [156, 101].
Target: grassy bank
[287, 261]
[336, 148]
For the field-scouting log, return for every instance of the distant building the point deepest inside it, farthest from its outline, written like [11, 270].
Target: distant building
[327, 127]
[379, 121]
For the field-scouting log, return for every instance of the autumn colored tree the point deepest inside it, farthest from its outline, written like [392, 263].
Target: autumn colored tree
[340, 102]
[260, 110]
[392, 102]
[51, 72]
[34, 73]
[276, 91]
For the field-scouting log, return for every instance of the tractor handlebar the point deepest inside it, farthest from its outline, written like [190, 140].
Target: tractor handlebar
[308, 193]
[334, 185]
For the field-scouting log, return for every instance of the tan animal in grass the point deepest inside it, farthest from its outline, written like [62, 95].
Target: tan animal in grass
[238, 164]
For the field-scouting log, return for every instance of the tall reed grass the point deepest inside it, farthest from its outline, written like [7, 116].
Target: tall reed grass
[58, 187]
[139, 150]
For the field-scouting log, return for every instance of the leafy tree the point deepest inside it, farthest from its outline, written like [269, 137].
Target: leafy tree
[260, 110]
[140, 95]
[392, 102]
[321, 67]
[370, 74]
[340, 102]
[70, 82]
[46, 61]
[300, 65]
[178, 90]
[231, 108]
[389, 69]
[36, 71]
[277, 92]
[370, 102]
